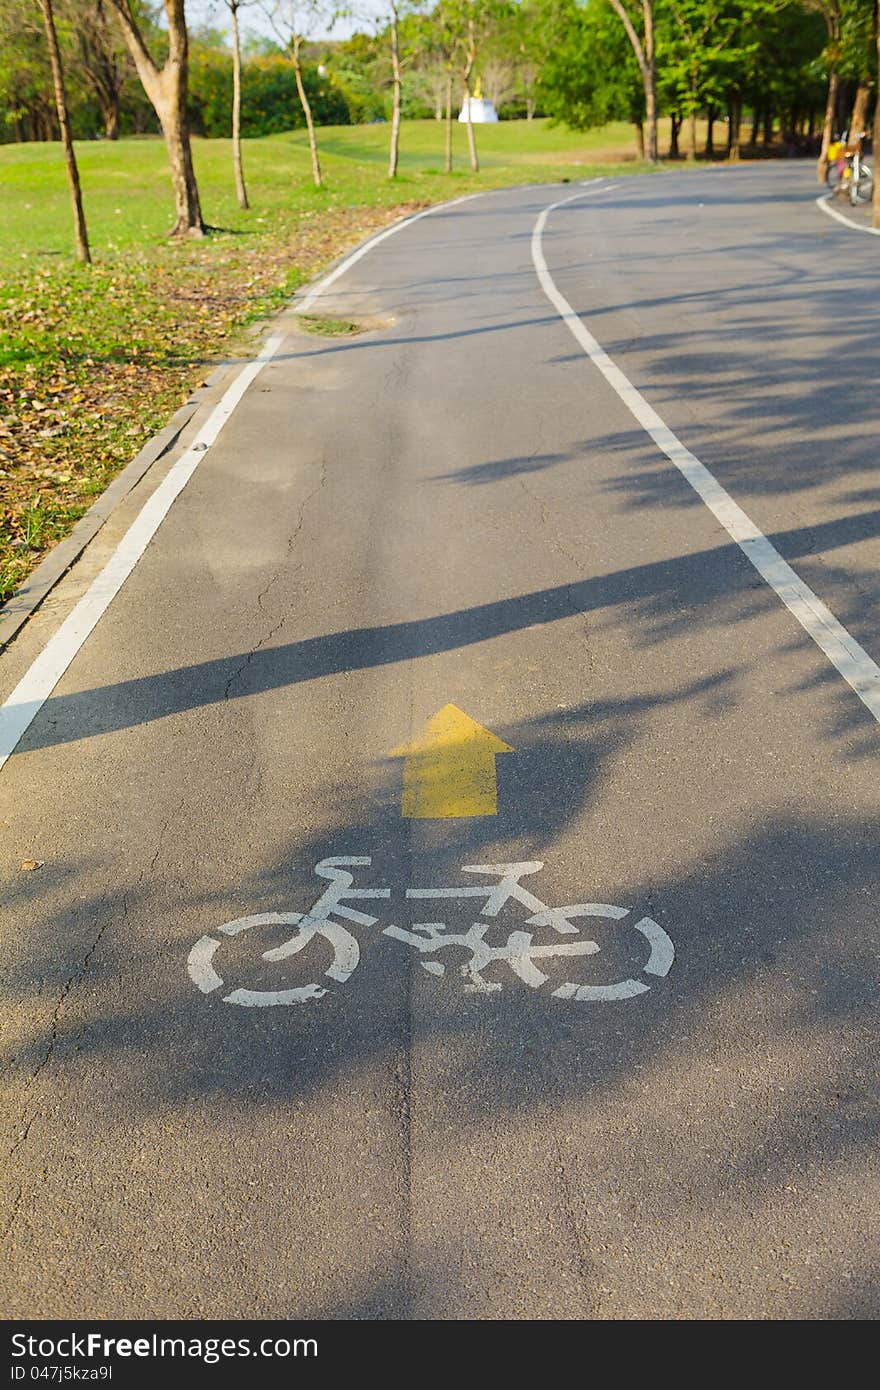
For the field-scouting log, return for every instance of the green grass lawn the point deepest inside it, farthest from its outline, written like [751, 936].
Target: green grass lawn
[127, 192]
[93, 360]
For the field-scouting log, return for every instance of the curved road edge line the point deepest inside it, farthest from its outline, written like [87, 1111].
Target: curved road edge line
[839, 646]
[823, 202]
[302, 306]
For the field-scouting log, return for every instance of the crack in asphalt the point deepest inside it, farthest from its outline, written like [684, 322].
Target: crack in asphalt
[25, 1124]
[553, 536]
[291, 543]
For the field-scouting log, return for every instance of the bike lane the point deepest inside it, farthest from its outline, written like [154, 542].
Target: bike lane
[436, 513]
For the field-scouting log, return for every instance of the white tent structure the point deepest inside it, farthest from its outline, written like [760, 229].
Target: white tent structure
[482, 111]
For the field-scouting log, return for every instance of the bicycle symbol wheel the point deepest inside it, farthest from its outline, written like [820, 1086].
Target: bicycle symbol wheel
[346, 955]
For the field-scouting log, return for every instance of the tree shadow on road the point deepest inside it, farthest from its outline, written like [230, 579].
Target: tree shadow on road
[665, 1144]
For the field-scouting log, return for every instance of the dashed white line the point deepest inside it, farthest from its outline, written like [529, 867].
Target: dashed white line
[840, 647]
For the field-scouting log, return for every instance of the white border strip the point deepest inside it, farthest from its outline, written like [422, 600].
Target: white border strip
[40, 679]
[842, 650]
[303, 306]
[824, 202]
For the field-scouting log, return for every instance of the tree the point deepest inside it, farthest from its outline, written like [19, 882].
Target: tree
[589, 72]
[440, 42]
[830, 11]
[850, 53]
[692, 58]
[470, 58]
[167, 89]
[465, 24]
[403, 36]
[643, 47]
[101, 58]
[395, 78]
[233, 7]
[79, 221]
[291, 19]
[25, 73]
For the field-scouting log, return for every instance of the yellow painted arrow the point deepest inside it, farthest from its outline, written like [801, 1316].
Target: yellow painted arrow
[450, 770]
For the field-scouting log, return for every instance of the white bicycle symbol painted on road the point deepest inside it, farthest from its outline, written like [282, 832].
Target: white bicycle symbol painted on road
[429, 939]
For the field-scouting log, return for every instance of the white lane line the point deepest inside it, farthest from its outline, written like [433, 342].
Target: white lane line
[824, 202]
[38, 682]
[304, 305]
[841, 648]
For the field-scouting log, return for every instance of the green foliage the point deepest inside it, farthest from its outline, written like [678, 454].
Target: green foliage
[568, 58]
[856, 51]
[269, 98]
[764, 53]
[589, 75]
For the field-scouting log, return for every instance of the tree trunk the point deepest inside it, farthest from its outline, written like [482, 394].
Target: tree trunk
[472, 139]
[448, 162]
[79, 221]
[171, 110]
[675, 123]
[710, 132]
[307, 112]
[735, 109]
[167, 91]
[756, 126]
[395, 109]
[111, 120]
[768, 128]
[240, 189]
[692, 119]
[640, 138]
[859, 118]
[468, 73]
[828, 127]
[645, 57]
[649, 77]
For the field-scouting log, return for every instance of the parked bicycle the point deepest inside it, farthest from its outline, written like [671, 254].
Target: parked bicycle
[520, 952]
[849, 173]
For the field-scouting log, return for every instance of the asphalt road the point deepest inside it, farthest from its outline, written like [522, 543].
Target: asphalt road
[456, 508]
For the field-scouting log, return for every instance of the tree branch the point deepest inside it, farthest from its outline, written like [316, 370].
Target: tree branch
[143, 60]
[638, 50]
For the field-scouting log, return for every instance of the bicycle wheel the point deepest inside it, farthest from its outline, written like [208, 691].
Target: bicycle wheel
[658, 964]
[346, 956]
[832, 176]
[862, 190]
